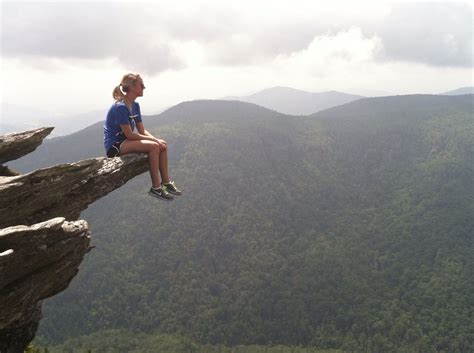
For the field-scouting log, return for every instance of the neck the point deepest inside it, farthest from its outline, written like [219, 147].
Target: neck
[129, 99]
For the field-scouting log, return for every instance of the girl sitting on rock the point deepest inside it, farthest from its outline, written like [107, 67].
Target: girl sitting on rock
[121, 138]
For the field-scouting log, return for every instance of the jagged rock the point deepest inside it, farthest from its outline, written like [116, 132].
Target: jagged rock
[36, 262]
[18, 144]
[40, 251]
[6, 171]
[64, 190]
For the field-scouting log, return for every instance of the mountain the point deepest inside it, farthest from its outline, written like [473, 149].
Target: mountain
[89, 141]
[296, 102]
[350, 228]
[463, 90]
[65, 125]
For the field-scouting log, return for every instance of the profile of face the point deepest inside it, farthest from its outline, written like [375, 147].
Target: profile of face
[137, 87]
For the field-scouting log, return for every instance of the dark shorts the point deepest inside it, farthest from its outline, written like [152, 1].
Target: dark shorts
[114, 150]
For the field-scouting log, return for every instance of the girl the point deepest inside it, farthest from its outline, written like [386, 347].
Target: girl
[120, 138]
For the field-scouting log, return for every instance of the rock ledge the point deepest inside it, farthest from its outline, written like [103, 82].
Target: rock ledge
[42, 243]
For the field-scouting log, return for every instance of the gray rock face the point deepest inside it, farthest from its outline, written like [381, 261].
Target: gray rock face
[64, 190]
[36, 262]
[41, 243]
[18, 144]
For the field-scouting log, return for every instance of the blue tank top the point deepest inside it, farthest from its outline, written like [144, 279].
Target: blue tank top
[117, 115]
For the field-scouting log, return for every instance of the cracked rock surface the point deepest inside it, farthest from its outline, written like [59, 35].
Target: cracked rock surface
[18, 144]
[41, 241]
[36, 262]
[64, 190]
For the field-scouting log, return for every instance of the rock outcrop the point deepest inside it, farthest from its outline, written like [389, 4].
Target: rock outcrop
[42, 243]
[18, 144]
[64, 190]
[36, 262]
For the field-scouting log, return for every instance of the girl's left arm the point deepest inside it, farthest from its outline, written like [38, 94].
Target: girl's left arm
[141, 130]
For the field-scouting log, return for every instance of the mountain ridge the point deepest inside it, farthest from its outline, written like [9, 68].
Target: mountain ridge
[347, 228]
[460, 91]
[291, 101]
[88, 142]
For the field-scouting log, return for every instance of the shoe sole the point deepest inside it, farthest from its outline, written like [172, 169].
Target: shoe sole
[158, 197]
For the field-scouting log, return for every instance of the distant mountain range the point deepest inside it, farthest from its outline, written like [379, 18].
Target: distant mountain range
[459, 91]
[292, 101]
[296, 102]
[285, 100]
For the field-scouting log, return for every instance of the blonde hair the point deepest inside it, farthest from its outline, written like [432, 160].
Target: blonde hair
[127, 81]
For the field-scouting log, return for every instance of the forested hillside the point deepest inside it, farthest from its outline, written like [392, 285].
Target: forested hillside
[350, 229]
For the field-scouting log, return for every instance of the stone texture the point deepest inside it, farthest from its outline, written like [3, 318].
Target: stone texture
[18, 144]
[36, 262]
[64, 190]
[42, 245]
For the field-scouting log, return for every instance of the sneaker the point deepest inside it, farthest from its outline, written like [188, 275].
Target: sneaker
[171, 188]
[161, 193]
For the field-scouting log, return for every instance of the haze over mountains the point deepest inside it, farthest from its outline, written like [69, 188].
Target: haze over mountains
[296, 102]
[459, 91]
[15, 118]
[348, 228]
[281, 99]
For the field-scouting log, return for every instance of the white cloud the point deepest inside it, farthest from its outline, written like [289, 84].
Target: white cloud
[332, 51]
[66, 57]
[243, 33]
[433, 33]
[82, 30]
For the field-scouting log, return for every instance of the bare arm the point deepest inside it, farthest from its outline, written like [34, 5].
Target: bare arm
[142, 135]
[141, 130]
[130, 135]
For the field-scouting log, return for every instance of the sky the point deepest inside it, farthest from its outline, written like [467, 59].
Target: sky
[65, 58]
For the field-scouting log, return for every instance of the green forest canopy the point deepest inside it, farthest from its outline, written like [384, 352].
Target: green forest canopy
[348, 229]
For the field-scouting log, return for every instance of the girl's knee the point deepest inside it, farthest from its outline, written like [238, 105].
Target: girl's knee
[154, 147]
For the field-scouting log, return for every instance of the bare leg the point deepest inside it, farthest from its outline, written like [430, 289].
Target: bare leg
[164, 166]
[145, 146]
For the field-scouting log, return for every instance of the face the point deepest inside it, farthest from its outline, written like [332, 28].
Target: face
[138, 87]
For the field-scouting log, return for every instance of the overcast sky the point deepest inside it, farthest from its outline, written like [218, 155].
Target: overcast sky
[66, 57]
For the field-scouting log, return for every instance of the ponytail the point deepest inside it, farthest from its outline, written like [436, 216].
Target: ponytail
[118, 94]
[127, 81]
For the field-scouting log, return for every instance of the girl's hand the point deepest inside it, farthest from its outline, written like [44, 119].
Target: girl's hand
[163, 144]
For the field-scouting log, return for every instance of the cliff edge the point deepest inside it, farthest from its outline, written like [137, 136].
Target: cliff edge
[41, 241]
